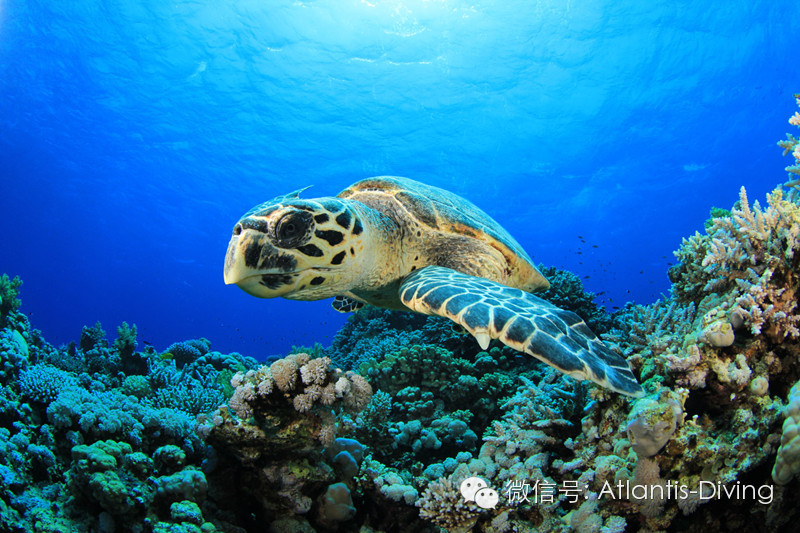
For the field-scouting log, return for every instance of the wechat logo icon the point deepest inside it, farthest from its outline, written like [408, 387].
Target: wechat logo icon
[474, 489]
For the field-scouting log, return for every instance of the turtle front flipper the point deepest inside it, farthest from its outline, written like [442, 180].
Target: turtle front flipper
[525, 322]
[345, 304]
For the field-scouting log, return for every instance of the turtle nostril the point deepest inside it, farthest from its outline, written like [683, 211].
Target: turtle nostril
[237, 229]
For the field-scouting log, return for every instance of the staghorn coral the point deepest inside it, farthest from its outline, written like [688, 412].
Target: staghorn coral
[194, 389]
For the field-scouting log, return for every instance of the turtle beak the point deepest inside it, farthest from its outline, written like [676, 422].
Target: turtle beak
[235, 269]
[255, 265]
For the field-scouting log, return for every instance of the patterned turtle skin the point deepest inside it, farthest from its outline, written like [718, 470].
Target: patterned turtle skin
[400, 244]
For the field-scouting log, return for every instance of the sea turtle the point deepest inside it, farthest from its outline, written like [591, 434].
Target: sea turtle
[400, 244]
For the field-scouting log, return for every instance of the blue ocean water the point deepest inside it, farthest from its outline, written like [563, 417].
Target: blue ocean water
[134, 134]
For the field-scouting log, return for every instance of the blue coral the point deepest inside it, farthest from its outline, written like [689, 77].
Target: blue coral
[42, 383]
[186, 352]
[13, 355]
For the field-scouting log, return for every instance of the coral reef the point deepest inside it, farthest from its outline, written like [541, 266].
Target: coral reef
[383, 430]
[274, 433]
[85, 447]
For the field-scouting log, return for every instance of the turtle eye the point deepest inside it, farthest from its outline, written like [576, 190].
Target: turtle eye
[292, 228]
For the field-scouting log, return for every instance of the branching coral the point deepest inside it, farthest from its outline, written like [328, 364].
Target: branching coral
[42, 383]
[443, 504]
[792, 143]
[750, 259]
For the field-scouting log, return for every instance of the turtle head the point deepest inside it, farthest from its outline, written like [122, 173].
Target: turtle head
[295, 248]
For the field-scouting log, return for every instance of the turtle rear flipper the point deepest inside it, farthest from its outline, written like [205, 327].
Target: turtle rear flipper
[489, 310]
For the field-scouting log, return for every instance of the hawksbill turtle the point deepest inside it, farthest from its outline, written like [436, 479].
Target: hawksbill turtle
[400, 244]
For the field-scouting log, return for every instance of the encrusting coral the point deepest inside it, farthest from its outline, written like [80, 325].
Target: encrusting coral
[787, 463]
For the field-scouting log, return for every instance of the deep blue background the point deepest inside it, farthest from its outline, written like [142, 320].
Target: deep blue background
[133, 134]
